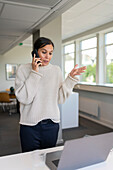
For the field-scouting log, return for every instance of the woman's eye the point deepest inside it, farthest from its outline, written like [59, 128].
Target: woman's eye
[44, 52]
[50, 53]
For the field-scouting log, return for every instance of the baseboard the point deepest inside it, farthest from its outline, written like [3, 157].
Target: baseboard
[97, 121]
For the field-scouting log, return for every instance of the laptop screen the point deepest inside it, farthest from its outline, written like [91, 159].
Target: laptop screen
[85, 151]
[74, 153]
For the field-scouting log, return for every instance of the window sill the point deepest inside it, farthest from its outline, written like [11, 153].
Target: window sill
[94, 88]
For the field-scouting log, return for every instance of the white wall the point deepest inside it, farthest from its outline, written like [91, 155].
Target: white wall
[53, 31]
[105, 107]
[22, 54]
[17, 55]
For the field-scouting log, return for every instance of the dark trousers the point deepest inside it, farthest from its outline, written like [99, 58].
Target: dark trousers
[41, 136]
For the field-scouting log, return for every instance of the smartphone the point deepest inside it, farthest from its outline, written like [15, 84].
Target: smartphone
[36, 54]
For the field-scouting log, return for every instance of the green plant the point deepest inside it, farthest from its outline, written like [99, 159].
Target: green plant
[109, 73]
[90, 71]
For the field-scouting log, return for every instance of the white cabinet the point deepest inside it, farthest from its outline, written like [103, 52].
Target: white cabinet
[69, 112]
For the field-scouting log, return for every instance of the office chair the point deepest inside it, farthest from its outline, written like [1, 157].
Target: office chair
[6, 102]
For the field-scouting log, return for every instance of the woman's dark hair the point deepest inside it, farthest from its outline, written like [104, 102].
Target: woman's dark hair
[41, 42]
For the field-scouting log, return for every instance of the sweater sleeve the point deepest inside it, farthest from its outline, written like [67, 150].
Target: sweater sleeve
[66, 87]
[26, 87]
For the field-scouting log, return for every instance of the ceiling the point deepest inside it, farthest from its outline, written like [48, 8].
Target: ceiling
[83, 16]
[20, 18]
[86, 15]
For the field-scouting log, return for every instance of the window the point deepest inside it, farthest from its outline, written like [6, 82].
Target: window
[69, 53]
[88, 54]
[95, 52]
[109, 58]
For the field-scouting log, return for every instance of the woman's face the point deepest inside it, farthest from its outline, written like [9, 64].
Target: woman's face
[45, 53]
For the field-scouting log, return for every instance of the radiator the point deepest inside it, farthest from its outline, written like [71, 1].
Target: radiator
[89, 106]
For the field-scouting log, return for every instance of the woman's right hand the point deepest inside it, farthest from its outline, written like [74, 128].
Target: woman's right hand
[35, 66]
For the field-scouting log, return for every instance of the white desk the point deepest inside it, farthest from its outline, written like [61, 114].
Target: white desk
[27, 161]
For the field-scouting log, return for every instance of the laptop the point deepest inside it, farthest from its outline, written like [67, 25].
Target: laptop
[81, 152]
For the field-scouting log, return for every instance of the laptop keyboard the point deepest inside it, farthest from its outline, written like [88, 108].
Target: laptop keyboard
[55, 162]
[52, 159]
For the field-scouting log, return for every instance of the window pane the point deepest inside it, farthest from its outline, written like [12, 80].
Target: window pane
[89, 43]
[69, 56]
[89, 57]
[109, 64]
[69, 63]
[89, 60]
[109, 38]
[68, 67]
[69, 48]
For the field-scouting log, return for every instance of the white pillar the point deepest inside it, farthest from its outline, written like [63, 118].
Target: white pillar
[53, 31]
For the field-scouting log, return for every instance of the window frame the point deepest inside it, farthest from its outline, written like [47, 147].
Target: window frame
[89, 37]
[105, 60]
[100, 64]
[66, 54]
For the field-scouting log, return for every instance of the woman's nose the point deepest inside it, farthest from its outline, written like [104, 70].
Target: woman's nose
[47, 55]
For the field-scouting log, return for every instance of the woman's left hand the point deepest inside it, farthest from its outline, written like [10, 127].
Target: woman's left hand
[77, 71]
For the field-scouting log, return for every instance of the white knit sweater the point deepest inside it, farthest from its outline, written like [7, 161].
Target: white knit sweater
[40, 92]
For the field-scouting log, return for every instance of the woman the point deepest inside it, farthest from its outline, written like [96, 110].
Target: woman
[39, 89]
